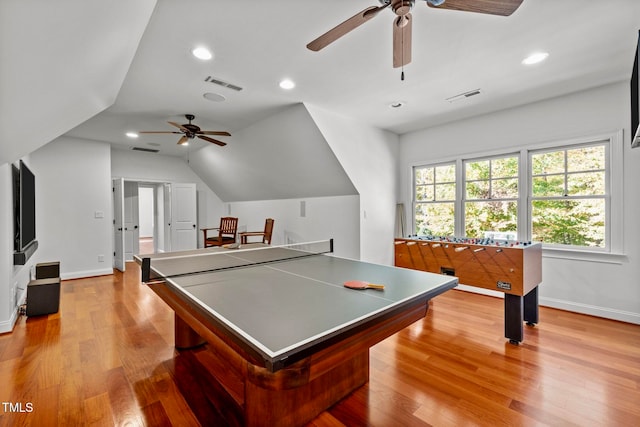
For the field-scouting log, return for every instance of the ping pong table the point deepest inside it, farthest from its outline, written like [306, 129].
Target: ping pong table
[289, 338]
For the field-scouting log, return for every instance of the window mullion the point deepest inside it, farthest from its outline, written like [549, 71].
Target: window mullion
[460, 198]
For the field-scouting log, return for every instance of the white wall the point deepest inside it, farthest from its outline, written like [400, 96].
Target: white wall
[7, 307]
[145, 211]
[607, 287]
[369, 156]
[151, 167]
[281, 157]
[325, 218]
[13, 278]
[86, 49]
[73, 206]
[6, 247]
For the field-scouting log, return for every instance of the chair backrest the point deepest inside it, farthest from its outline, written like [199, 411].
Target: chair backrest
[228, 225]
[268, 230]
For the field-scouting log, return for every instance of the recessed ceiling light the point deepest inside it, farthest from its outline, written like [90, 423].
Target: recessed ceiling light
[215, 97]
[535, 58]
[132, 134]
[202, 53]
[287, 84]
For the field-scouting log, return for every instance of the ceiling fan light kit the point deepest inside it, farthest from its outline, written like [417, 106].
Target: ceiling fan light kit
[403, 21]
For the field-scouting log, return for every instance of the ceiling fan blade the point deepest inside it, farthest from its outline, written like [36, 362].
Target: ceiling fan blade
[178, 125]
[183, 140]
[492, 7]
[215, 141]
[213, 132]
[153, 131]
[402, 40]
[342, 29]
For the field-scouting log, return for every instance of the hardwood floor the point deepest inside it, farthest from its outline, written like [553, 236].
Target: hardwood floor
[107, 358]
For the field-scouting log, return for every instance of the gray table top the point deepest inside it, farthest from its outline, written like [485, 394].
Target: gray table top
[283, 307]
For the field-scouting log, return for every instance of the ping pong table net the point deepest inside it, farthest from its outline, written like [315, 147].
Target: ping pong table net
[177, 264]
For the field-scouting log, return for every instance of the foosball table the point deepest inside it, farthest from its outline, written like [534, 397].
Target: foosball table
[511, 267]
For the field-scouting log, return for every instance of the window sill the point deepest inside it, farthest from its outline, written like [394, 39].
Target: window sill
[590, 256]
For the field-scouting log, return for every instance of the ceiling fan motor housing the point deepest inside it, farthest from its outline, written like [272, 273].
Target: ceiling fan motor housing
[402, 7]
[193, 129]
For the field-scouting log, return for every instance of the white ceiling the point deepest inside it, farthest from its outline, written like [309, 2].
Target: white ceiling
[256, 43]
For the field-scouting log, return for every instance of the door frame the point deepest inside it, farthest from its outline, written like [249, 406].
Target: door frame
[119, 262]
[162, 209]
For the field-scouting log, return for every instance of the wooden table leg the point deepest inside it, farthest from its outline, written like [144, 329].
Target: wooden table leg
[185, 337]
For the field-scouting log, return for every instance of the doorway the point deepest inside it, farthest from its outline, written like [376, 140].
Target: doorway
[147, 242]
[143, 214]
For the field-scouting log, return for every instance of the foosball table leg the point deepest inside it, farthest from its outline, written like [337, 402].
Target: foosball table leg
[531, 307]
[513, 317]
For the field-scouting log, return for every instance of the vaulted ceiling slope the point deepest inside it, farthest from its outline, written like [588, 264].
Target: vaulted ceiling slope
[283, 156]
[256, 43]
[62, 63]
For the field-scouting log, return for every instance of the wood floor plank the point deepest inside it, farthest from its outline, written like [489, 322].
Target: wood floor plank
[107, 358]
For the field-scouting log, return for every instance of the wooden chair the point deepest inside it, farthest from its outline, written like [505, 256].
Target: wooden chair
[226, 232]
[266, 234]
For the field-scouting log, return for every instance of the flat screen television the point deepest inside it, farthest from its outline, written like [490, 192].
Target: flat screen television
[24, 184]
[635, 99]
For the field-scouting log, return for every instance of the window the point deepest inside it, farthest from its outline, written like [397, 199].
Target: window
[569, 196]
[434, 200]
[491, 198]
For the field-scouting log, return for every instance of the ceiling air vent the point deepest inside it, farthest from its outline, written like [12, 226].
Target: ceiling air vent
[222, 83]
[147, 150]
[464, 95]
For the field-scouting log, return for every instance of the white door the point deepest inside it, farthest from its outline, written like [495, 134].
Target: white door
[167, 218]
[118, 224]
[183, 217]
[131, 229]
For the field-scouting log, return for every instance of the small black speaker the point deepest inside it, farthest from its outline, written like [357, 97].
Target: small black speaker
[43, 293]
[47, 270]
[43, 296]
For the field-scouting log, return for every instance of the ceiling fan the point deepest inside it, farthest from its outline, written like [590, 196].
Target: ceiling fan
[402, 24]
[190, 131]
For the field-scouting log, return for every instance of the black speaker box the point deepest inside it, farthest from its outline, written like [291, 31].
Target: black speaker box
[43, 293]
[43, 296]
[47, 270]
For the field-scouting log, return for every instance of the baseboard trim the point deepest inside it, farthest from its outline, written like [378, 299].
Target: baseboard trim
[482, 291]
[86, 273]
[574, 307]
[591, 310]
[7, 325]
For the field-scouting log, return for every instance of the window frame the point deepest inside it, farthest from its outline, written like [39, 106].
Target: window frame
[614, 172]
[490, 179]
[606, 196]
[415, 202]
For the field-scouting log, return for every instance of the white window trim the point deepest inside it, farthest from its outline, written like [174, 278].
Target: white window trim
[614, 253]
[460, 203]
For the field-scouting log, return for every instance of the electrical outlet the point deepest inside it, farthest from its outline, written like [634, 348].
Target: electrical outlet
[100, 258]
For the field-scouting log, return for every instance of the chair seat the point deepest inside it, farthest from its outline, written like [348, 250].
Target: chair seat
[217, 241]
[266, 234]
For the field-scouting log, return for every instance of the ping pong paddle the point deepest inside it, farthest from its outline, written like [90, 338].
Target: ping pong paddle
[361, 284]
